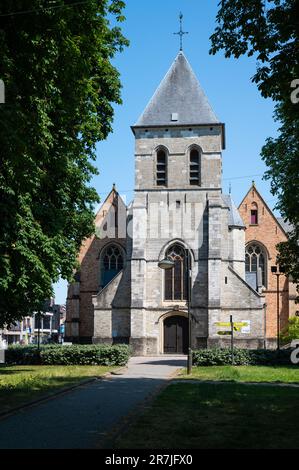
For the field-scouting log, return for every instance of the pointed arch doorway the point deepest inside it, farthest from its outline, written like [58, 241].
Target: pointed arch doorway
[175, 331]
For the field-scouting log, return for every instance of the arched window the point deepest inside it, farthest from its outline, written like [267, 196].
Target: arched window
[194, 167]
[254, 219]
[255, 257]
[176, 279]
[112, 262]
[161, 174]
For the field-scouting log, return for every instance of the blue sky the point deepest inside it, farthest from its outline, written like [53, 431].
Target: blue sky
[236, 101]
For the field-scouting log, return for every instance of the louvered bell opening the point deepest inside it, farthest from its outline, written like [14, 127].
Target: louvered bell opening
[161, 168]
[194, 168]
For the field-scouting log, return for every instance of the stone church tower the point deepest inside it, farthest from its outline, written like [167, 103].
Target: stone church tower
[179, 213]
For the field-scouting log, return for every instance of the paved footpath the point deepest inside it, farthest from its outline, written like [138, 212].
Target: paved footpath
[81, 418]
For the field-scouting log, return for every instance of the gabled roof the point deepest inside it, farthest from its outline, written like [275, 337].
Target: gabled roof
[179, 100]
[285, 226]
[234, 218]
[113, 196]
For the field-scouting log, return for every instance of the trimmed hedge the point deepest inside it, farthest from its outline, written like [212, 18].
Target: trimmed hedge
[55, 355]
[242, 357]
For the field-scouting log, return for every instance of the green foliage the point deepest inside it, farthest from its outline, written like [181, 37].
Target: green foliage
[242, 357]
[271, 35]
[60, 88]
[83, 355]
[291, 331]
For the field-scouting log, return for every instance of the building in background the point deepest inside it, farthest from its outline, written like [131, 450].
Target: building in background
[263, 232]
[48, 326]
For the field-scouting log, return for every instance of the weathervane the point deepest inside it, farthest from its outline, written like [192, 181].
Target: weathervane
[181, 33]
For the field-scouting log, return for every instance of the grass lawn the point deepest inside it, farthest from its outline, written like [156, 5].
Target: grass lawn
[22, 384]
[217, 416]
[281, 374]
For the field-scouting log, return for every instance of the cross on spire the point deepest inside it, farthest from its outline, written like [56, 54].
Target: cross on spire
[181, 33]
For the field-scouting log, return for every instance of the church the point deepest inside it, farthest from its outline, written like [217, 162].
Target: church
[179, 214]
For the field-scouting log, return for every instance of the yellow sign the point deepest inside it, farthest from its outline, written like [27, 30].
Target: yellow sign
[228, 324]
[237, 326]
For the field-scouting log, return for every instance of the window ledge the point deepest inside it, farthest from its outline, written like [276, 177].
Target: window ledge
[173, 303]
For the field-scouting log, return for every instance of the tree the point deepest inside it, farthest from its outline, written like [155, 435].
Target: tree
[60, 88]
[268, 29]
[291, 331]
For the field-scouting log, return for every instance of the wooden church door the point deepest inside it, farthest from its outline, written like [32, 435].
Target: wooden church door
[176, 335]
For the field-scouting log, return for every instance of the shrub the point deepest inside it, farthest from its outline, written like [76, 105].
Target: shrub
[242, 357]
[25, 355]
[104, 355]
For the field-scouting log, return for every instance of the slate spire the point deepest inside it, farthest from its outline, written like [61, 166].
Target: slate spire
[179, 99]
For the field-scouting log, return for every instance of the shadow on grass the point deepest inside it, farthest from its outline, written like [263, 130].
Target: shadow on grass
[4, 371]
[211, 416]
[182, 416]
[82, 418]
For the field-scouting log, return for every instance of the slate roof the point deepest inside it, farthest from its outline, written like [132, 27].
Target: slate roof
[178, 94]
[234, 218]
[287, 227]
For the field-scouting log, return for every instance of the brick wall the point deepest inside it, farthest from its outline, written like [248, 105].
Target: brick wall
[268, 233]
[79, 308]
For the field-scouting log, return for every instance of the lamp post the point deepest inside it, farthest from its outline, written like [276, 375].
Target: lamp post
[166, 264]
[277, 272]
[188, 278]
[38, 315]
